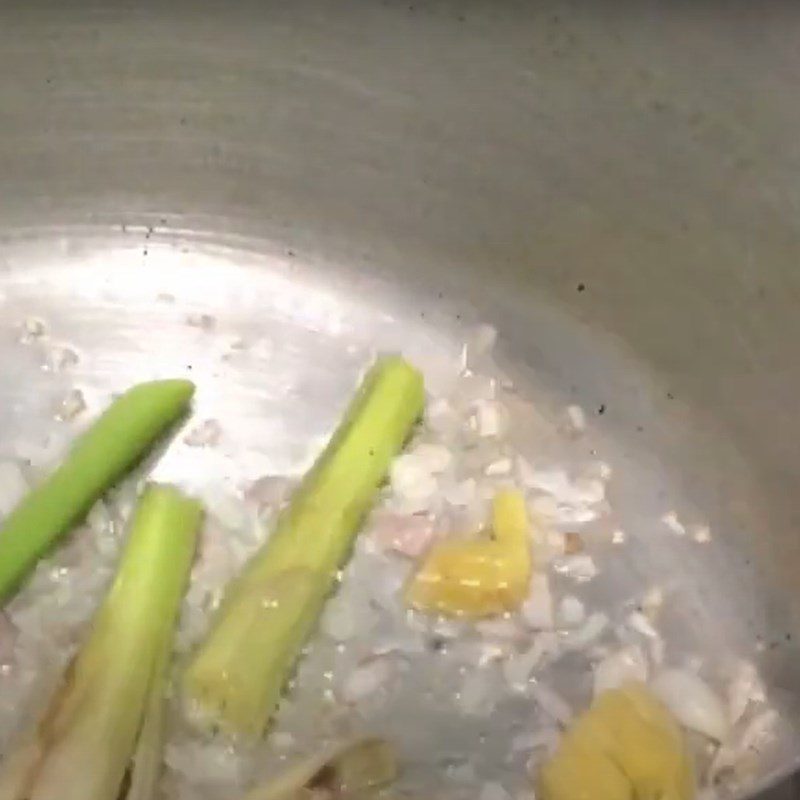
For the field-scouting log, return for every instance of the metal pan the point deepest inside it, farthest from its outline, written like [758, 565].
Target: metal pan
[614, 190]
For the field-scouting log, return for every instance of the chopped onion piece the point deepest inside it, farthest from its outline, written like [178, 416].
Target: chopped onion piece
[579, 567]
[366, 679]
[693, 703]
[517, 670]
[744, 687]
[490, 418]
[537, 610]
[571, 612]
[206, 434]
[591, 630]
[670, 519]
[627, 664]
[500, 467]
[551, 702]
[638, 622]
[434, 458]
[72, 405]
[407, 534]
[59, 358]
[414, 484]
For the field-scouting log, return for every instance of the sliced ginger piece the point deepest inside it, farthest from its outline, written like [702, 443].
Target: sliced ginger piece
[628, 734]
[479, 578]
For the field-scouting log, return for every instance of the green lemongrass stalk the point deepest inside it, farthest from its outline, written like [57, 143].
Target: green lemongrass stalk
[116, 441]
[268, 612]
[82, 746]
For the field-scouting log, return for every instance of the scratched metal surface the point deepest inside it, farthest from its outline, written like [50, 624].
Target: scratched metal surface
[616, 192]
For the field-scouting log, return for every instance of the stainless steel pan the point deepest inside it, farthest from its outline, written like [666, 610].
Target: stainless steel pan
[614, 187]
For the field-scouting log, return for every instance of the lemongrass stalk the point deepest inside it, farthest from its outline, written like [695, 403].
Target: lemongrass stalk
[81, 748]
[116, 441]
[236, 677]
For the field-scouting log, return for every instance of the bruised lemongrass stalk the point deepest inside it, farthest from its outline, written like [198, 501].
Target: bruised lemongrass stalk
[110, 694]
[116, 441]
[236, 677]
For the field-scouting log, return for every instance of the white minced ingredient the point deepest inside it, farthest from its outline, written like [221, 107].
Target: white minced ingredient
[71, 405]
[409, 535]
[227, 507]
[638, 622]
[618, 536]
[537, 610]
[13, 486]
[749, 738]
[693, 703]
[500, 467]
[555, 481]
[269, 491]
[580, 567]
[205, 434]
[413, 483]
[343, 620]
[442, 418]
[366, 679]
[551, 702]
[476, 695]
[745, 687]
[215, 763]
[490, 418]
[506, 627]
[592, 629]
[464, 493]
[433, 458]
[60, 357]
[626, 664]
[571, 612]
[518, 669]
[670, 519]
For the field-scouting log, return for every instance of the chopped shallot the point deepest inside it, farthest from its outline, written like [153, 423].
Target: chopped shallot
[517, 670]
[591, 630]
[72, 405]
[407, 534]
[206, 434]
[366, 679]
[745, 687]
[571, 612]
[579, 567]
[552, 703]
[537, 610]
[626, 664]
[490, 418]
